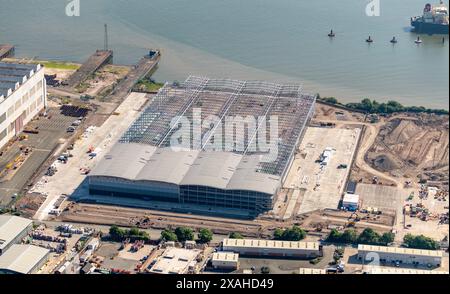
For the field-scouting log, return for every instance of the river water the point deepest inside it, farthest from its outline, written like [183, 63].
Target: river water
[282, 40]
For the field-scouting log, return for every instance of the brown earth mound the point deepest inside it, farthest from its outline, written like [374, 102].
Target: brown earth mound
[413, 146]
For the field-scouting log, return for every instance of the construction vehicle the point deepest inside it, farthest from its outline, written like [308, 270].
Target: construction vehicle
[354, 216]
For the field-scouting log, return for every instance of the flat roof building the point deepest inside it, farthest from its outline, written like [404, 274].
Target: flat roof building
[271, 248]
[225, 260]
[350, 202]
[23, 259]
[203, 142]
[12, 230]
[387, 255]
[402, 271]
[351, 187]
[176, 261]
[23, 95]
[311, 271]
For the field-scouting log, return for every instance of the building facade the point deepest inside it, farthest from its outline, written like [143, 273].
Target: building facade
[23, 95]
[229, 168]
[270, 248]
[225, 260]
[392, 255]
[23, 259]
[12, 230]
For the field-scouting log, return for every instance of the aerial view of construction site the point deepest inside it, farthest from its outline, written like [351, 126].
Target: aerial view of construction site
[106, 170]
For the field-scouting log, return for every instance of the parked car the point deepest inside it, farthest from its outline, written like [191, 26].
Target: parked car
[76, 123]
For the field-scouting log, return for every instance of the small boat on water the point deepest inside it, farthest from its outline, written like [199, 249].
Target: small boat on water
[418, 41]
[369, 40]
[331, 34]
[394, 40]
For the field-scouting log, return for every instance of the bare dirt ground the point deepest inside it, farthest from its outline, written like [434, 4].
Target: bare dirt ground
[397, 149]
[104, 79]
[413, 147]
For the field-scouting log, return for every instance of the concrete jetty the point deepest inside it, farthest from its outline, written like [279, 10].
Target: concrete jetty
[6, 51]
[94, 62]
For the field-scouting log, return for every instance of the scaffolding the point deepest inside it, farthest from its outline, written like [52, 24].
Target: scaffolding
[220, 99]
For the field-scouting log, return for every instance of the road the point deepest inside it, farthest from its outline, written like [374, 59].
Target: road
[370, 135]
[63, 93]
[69, 178]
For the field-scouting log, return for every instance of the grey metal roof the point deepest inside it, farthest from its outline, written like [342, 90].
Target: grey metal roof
[125, 161]
[10, 227]
[212, 169]
[221, 170]
[246, 177]
[168, 166]
[13, 73]
[22, 258]
[143, 153]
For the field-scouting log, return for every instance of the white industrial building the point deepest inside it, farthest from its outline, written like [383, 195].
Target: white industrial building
[225, 260]
[376, 270]
[23, 259]
[23, 95]
[176, 261]
[387, 255]
[311, 271]
[12, 230]
[271, 248]
[350, 202]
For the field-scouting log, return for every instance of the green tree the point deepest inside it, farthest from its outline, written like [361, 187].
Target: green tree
[387, 238]
[366, 105]
[331, 100]
[420, 242]
[116, 233]
[205, 235]
[349, 236]
[184, 234]
[291, 234]
[168, 235]
[294, 234]
[369, 236]
[334, 236]
[235, 235]
[134, 232]
[278, 234]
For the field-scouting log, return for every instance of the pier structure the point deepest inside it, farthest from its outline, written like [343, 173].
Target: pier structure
[94, 62]
[6, 50]
[144, 67]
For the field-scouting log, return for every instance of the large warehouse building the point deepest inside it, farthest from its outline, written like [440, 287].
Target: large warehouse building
[12, 230]
[23, 95]
[23, 259]
[391, 255]
[271, 248]
[238, 175]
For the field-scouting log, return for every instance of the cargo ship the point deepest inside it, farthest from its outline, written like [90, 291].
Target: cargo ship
[433, 21]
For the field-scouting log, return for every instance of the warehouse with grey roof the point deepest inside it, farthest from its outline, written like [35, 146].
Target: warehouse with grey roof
[238, 175]
[23, 259]
[12, 230]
